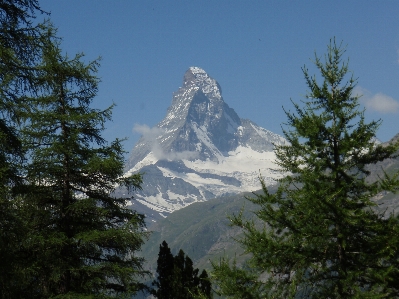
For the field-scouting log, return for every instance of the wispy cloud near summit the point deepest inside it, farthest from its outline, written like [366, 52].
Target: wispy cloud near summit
[151, 134]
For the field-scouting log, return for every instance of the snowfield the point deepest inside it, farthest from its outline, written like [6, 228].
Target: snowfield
[243, 164]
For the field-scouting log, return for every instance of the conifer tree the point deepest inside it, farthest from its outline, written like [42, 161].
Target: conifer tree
[322, 234]
[165, 273]
[19, 51]
[205, 285]
[82, 238]
[177, 278]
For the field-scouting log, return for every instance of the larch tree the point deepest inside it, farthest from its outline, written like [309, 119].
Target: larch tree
[82, 238]
[20, 43]
[19, 52]
[322, 234]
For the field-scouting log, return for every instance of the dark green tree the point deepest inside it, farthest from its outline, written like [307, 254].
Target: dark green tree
[322, 234]
[177, 277]
[20, 43]
[205, 285]
[165, 273]
[19, 51]
[82, 238]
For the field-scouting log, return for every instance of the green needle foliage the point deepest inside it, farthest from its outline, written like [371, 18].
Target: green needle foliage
[177, 278]
[19, 51]
[20, 43]
[322, 236]
[82, 239]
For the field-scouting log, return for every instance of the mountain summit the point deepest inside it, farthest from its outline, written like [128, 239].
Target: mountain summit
[201, 149]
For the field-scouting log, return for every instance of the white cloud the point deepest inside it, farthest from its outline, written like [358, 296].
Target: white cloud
[184, 155]
[377, 102]
[150, 135]
[147, 132]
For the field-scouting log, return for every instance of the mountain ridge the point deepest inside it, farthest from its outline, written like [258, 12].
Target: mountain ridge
[201, 150]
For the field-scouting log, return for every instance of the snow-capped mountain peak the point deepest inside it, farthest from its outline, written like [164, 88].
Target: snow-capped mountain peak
[201, 149]
[198, 78]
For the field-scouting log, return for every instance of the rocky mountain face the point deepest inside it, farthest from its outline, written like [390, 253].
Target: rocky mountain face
[201, 150]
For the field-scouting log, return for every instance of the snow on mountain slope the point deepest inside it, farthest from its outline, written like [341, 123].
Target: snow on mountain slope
[244, 164]
[202, 149]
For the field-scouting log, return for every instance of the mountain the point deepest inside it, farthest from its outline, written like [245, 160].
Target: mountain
[201, 150]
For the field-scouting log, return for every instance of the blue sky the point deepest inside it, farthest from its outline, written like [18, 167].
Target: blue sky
[254, 49]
